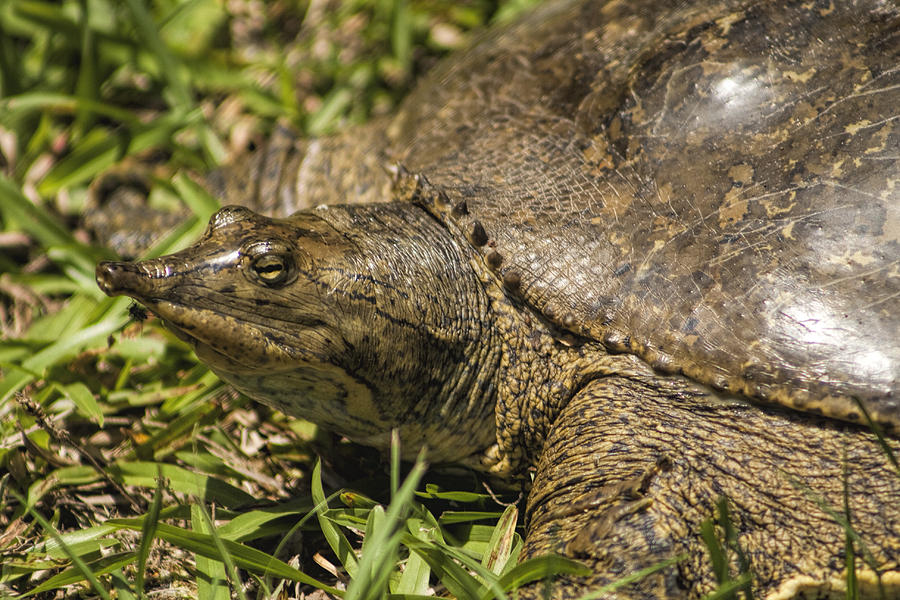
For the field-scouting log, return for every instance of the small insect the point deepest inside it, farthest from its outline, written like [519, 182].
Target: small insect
[137, 312]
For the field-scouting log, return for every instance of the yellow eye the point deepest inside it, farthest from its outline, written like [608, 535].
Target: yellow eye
[272, 269]
[270, 263]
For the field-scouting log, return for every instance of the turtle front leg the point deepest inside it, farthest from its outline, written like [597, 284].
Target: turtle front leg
[633, 467]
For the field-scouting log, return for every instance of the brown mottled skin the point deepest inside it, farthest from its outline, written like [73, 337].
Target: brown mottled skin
[621, 243]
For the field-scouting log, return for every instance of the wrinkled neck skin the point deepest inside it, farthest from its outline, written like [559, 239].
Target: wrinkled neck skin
[446, 353]
[466, 367]
[416, 331]
[363, 319]
[541, 369]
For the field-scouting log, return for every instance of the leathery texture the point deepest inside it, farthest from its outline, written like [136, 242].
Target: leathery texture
[632, 468]
[709, 186]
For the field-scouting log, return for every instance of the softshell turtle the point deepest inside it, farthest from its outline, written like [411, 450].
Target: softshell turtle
[650, 249]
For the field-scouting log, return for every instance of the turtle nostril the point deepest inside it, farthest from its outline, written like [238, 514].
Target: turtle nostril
[140, 280]
[109, 277]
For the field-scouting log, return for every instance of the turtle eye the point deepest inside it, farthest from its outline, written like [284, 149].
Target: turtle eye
[270, 266]
[270, 269]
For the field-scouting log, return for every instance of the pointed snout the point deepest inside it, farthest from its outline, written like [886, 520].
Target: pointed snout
[136, 279]
[113, 277]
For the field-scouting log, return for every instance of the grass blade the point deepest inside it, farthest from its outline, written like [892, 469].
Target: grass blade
[382, 541]
[83, 399]
[333, 535]
[501, 544]
[879, 435]
[86, 572]
[169, 68]
[244, 557]
[36, 222]
[74, 575]
[636, 576]
[541, 567]
[224, 555]
[148, 534]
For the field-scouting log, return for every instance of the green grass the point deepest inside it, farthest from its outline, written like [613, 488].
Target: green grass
[129, 468]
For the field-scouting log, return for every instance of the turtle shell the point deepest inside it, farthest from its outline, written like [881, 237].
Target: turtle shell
[713, 186]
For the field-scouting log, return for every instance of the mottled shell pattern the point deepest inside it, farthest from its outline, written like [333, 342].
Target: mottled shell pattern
[713, 186]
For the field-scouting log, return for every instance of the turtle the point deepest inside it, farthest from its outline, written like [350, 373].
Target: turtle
[641, 257]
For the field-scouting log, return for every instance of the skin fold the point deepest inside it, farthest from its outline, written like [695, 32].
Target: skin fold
[638, 257]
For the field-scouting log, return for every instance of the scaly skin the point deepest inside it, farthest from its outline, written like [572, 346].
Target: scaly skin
[712, 186]
[631, 462]
[323, 344]
[634, 465]
[618, 243]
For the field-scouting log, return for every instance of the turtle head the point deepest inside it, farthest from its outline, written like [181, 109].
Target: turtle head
[242, 295]
[360, 319]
